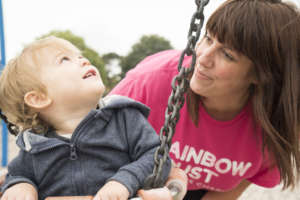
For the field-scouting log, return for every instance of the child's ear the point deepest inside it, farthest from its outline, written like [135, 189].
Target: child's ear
[37, 100]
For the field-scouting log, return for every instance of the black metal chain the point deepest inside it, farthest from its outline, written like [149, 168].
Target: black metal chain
[179, 84]
[13, 129]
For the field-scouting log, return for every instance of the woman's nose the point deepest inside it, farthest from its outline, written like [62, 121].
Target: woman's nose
[205, 56]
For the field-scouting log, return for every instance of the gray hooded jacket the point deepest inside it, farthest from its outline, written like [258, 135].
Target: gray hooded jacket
[115, 142]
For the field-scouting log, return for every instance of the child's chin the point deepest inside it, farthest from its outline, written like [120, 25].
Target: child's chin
[99, 92]
[102, 89]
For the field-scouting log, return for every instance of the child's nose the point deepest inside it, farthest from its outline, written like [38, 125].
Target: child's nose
[84, 62]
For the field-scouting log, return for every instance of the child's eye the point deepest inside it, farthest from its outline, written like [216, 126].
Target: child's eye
[63, 59]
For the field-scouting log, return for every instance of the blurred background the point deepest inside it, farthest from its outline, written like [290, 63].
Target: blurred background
[114, 35]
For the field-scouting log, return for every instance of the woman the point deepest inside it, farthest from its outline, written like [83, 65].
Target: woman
[240, 122]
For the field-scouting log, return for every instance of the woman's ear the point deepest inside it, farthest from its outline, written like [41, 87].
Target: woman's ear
[37, 100]
[253, 76]
[254, 79]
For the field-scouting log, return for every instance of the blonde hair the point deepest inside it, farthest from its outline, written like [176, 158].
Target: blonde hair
[21, 75]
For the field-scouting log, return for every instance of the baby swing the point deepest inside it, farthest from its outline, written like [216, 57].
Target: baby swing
[176, 185]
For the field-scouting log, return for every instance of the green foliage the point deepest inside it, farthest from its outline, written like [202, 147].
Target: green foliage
[148, 44]
[110, 56]
[87, 52]
[115, 78]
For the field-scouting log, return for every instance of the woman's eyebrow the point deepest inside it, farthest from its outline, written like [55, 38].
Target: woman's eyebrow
[231, 49]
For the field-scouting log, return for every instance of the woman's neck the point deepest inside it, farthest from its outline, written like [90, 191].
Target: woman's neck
[225, 109]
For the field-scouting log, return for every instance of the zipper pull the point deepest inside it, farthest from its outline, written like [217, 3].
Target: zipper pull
[73, 155]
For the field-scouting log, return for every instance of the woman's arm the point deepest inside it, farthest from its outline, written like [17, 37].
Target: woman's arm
[230, 195]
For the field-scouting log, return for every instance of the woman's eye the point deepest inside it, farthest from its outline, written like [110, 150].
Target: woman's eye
[208, 39]
[228, 56]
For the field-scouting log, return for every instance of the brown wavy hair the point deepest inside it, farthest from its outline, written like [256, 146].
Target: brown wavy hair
[268, 33]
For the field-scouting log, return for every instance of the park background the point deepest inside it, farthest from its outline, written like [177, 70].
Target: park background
[114, 34]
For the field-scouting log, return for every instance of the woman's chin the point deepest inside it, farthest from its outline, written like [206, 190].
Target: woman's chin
[196, 87]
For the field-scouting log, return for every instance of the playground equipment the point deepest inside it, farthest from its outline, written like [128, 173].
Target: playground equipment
[177, 182]
[176, 185]
[176, 100]
[2, 63]
[175, 190]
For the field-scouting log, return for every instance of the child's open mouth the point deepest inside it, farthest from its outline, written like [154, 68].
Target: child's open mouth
[89, 73]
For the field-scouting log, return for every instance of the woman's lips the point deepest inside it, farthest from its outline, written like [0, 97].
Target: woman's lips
[201, 75]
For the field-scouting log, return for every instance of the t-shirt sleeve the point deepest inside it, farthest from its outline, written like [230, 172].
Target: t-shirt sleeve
[151, 78]
[131, 88]
[150, 83]
[268, 175]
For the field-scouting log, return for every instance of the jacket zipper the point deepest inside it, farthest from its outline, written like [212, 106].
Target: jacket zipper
[73, 154]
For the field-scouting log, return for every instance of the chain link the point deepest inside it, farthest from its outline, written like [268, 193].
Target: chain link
[179, 85]
[13, 129]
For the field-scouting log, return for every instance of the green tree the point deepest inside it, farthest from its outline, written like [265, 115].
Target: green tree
[113, 78]
[87, 52]
[147, 45]
[110, 56]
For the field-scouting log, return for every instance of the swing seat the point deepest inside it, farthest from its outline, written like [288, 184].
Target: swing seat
[153, 194]
[175, 189]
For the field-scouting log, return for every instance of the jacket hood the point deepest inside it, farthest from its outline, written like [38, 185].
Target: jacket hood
[118, 102]
[33, 143]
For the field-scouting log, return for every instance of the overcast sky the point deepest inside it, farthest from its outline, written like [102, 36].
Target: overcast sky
[105, 25]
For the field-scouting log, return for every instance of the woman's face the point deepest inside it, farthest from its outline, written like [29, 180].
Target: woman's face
[220, 72]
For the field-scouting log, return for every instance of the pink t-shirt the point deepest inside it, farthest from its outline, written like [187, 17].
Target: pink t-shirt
[216, 155]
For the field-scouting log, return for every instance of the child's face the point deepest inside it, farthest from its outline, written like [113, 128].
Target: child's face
[69, 78]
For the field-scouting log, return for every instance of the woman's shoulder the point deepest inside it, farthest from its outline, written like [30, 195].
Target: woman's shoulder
[165, 61]
[152, 76]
